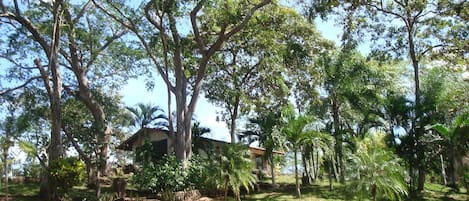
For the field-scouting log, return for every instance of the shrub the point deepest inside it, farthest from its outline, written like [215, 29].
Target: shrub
[373, 171]
[68, 172]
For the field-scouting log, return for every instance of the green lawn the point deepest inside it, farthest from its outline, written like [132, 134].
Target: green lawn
[319, 192]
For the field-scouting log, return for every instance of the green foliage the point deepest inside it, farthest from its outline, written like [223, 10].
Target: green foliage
[374, 171]
[160, 176]
[147, 116]
[232, 168]
[167, 175]
[68, 172]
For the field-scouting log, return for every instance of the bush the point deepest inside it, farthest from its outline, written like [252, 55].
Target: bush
[165, 175]
[375, 172]
[68, 172]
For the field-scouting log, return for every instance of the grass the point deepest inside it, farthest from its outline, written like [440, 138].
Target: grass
[319, 192]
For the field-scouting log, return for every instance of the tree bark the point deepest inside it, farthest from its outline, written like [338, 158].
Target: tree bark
[298, 191]
[234, 116]
[5, 167]
[443, 171]
[272, 171]
[338, 137]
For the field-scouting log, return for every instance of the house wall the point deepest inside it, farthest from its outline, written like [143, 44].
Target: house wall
[152, 137]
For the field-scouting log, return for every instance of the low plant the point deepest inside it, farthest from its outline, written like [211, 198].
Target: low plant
[232, 169]
[68, 172]
[374, 171]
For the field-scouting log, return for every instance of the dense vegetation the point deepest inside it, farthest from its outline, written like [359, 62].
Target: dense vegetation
[379, 113]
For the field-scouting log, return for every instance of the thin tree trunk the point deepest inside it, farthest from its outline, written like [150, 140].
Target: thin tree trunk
[331, 187]
[298, 192]
[272, 171]
[226, 189]
[443, 171]
[418, 112]
[338, 137]
[334, 166]
[234, 116]
[5, 168]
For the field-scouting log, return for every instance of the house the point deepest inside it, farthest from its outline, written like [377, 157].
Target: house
[159, 140]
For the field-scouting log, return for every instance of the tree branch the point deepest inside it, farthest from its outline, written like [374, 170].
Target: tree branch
[44, 76]
[102, 48]
[19, 86]
[31, 28]
[193, 16]
[131, 26]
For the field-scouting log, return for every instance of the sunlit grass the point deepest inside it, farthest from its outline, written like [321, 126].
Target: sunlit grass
[318, 191]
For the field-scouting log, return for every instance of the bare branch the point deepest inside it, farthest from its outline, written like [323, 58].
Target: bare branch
[19, 86]
[131, 26]
[31, 28]
[150, 18]
[44, 76]
[82, 12]
[195, 28]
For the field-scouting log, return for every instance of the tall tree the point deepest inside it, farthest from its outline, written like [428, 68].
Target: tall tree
[48, 45]
[410, 30]
[349, 83]
[295, 131]
[249, 68]
[92, 55]
[184, 53]
[416, 30]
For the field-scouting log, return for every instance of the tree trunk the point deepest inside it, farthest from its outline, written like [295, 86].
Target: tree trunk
[338, 138]
[44, 186]
[306, 168]
[443, 171]
[234, 116]
[417, 125]
[226, 189]
[298, 192]
[331, 187]
[180, 125]
[272, 171]
[453, 169]
[5, 168]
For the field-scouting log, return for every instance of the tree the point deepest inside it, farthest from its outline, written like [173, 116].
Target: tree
[185, 55]
[81, 134]
[264, 129]
[317, 145]
[353, 89]
[12, 126]
[374, 171]
[295, 131]
[233, 168]
[147, 115]
[417, 29]
[250, 68]
[14, 17]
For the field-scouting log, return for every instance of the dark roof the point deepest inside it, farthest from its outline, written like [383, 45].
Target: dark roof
[127, 144]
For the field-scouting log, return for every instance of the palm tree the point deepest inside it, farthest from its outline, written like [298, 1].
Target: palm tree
[317, 145]
[455, 140]
[232, 168]
[261, 129]
[375, 171]
[295, 133]
[147, 116]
